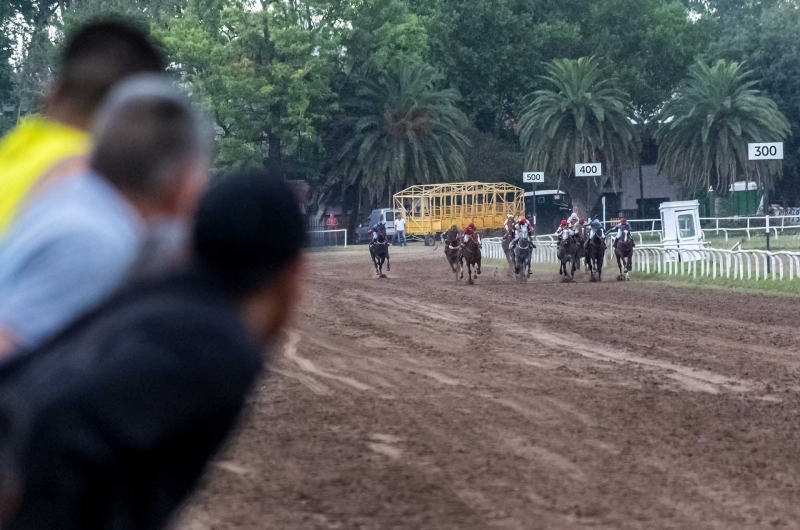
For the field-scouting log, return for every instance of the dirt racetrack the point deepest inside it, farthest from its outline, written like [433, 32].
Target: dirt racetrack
[419, 403]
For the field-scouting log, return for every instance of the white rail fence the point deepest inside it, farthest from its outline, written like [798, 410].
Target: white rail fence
[327, 238]
[708, 262]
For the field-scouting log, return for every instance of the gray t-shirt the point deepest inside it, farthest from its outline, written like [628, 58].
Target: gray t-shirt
[69, 249]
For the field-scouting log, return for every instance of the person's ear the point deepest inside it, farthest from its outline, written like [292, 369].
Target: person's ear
[185, 193]
[269, 311]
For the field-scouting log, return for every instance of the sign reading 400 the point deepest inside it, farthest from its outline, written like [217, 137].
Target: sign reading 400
[589, 169]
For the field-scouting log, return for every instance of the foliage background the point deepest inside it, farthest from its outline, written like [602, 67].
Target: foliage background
[275, 76]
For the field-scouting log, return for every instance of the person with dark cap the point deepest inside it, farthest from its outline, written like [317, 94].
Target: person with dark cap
[79, 238]
[47, 147]
[111, 423]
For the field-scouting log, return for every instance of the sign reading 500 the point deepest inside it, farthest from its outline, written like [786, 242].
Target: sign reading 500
[589, 169]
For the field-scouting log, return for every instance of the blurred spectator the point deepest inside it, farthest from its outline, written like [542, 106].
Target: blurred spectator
[332, 223]
[77, 239]
[47, 147]
[110, 424]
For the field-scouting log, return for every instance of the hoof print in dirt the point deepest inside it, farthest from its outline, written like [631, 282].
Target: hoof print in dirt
[620, 278]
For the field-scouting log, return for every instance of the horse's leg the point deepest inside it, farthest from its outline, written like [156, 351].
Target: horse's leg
[479, 264]
[628, 267]
[388, 264]
[375, 262]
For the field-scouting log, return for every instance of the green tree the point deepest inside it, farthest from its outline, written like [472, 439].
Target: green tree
[494, 51]
[263, 76]
[705, 128]
[403, 130]
[383, 33]
[585, 118]
[769, 49]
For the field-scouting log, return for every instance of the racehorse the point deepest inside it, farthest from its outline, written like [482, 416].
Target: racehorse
[595, 255]
[522, 259]
[505, 243]
[623, 250]
[471, 254]
[567, 248]
[580, 252]
[452, 251]
[379, 250]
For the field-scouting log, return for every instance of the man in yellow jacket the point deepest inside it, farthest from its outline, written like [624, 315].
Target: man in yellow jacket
[48, 147]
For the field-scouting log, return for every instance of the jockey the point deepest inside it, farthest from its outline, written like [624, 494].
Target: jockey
[573, 221]
[596, 227]
[522, 229]
[562, 228]
[377, 228]
[509, 224]
[470, 231]
[451, 235]
[623, 223]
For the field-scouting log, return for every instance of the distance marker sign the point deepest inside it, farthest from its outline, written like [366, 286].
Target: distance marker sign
[765, 151]
[589, 169]
[533, 177]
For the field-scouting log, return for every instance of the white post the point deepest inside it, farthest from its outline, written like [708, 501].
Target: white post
[604, 207]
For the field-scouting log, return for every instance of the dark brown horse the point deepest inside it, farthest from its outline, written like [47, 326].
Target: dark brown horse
[567, 248]
[623, 250]
[379, 250]
[471, 255]
[580, 252]
[595, 255]
[505, 243]
[452, 250]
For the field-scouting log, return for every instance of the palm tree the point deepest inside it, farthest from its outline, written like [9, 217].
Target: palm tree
[403, 130]
[585, 118]
[704, 129]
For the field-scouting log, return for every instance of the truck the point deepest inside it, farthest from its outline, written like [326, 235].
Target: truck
[431, 209]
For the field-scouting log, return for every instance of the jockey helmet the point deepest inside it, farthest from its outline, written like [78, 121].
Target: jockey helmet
[581, 221]
[563, 222]
[623, 220]
[375, 225]
[510, 215]
[454, 226]
[472, 225]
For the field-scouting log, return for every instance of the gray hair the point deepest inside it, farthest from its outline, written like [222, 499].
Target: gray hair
[145, 134]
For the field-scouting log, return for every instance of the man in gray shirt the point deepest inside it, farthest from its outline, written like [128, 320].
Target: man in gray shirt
[77, 240]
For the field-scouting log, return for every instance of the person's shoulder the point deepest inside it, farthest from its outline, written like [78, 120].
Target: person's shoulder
[186, 305]
[72, 208]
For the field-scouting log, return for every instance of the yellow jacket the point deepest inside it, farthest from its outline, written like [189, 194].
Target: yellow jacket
[29, 151]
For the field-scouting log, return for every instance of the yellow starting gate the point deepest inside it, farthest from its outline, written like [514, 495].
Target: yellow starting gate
[433, 208]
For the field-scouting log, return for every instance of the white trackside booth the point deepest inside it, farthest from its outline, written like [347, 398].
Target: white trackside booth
[680, 226]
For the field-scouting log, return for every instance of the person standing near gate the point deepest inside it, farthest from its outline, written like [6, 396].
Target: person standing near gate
[332, 223]
[400, 230]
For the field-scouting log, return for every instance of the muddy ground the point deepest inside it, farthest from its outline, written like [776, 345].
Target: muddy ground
[417, 402]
